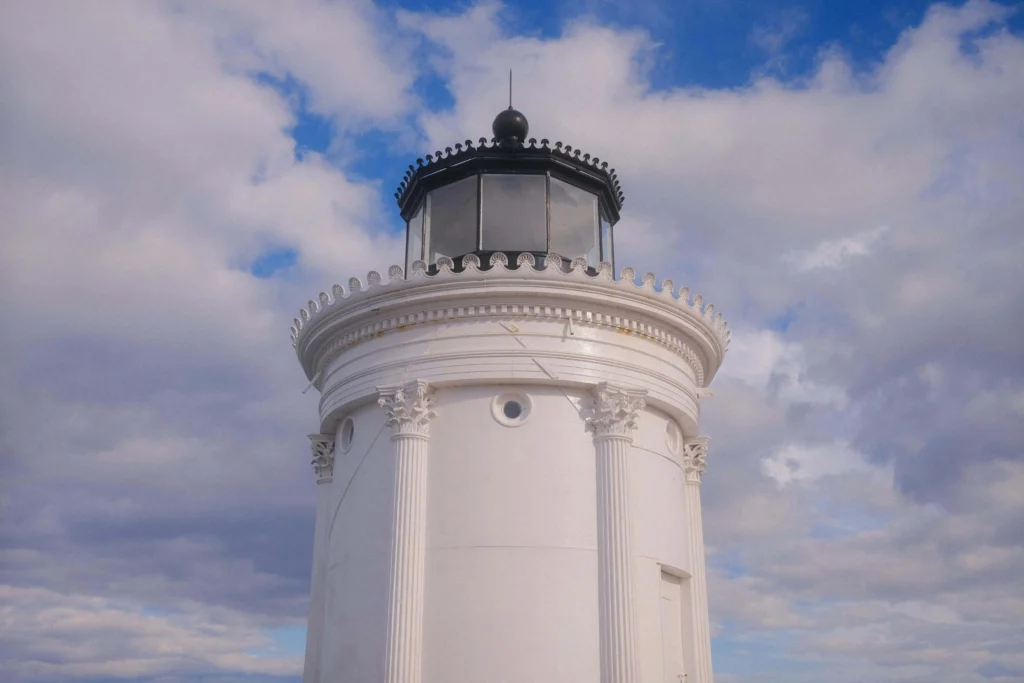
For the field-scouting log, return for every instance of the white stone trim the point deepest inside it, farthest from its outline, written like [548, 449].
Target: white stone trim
[343, 447]
[673, 438]
[616, 412]
[695, 458]
[623, 324]
[323, 455]
[328, 308]
[498, 408]
[695, 462]
[409, 409]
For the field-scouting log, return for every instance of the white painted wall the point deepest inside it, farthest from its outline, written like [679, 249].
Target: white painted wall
[359, 528]
[512, 542]
[660, 530]
[510, 580]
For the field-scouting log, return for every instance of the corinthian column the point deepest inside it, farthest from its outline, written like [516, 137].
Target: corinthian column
[695, 458]
[613, 425]
[409, 409]
[323, 466]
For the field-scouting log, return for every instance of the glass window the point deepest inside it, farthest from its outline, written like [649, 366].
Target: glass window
[414, 240]
[515, 215]
[606, 241]
[450, 224]
[573, 221]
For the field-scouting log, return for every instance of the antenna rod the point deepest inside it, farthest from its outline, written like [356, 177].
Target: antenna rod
[510, 88]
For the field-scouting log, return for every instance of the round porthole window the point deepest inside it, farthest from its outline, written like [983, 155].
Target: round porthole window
[511, 409]
[348, 433]
[673, 437]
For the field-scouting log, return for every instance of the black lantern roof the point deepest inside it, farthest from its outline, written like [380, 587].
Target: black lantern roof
[509, 151]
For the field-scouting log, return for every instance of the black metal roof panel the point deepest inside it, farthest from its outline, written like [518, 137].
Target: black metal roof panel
[509, 155]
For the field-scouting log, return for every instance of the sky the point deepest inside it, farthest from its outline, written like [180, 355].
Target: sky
[841, 179]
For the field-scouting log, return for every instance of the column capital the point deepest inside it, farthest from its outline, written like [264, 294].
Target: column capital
[409, 407]
[695, 457]
[616, 410]
[323, 454]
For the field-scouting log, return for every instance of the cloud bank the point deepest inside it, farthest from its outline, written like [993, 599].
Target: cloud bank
[859, 226]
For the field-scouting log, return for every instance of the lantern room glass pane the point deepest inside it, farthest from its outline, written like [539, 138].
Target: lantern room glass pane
[607, 254]
[514, 213]
[574, 221]
[450, 225]
[414, 240]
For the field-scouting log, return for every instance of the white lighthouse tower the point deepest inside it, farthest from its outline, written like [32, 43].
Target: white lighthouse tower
[509, 458]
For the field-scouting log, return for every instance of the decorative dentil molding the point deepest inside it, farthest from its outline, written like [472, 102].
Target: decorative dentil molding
[323, 454]
[695, 458]
[526, 266]
[409, 406]
[578, 316]
[616, 410]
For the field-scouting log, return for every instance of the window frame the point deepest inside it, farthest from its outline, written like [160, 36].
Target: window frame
[605, 253]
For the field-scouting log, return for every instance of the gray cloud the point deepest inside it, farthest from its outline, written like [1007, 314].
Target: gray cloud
[862, 506]
[157, 494]
[877, 210]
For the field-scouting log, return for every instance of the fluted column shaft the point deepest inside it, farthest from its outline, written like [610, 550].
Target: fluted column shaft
[615, 418]
[409, 409]
[323, 466]
[695, 463]
[619, 655]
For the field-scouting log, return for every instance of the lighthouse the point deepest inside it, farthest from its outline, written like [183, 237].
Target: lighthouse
[509, 457]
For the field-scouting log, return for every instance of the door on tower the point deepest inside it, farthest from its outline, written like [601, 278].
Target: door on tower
[671, 628]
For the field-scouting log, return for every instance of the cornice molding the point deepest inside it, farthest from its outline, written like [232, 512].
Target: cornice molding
[616, 410]
[319, 314]
[469, 159]
[579, 316]
[323, 454]
[409, 407]
[695, 458]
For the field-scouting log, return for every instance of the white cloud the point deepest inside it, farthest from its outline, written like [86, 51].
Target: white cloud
[146, 374]
[150, 420]
[837, 253]
[174, 170]
[763, 359]
[772, 198]
[355, 71]
[805, 463]
[59, 637]
[774, 36]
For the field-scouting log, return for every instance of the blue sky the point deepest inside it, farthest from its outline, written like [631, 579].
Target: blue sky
[841, 179]
[716, 45]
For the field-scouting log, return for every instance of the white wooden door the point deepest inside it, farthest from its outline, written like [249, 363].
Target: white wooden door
[671, 628]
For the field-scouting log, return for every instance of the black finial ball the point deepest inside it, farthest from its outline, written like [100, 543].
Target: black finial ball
[510, 124]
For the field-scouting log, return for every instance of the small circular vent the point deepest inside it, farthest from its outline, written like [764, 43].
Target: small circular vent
[511, 408]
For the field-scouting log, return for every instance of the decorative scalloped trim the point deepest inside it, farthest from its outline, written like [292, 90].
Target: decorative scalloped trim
[526, 259]
[535, 311]
[445, 267]
[468, 149]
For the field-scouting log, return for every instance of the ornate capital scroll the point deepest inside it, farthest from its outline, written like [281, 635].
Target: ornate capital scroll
[409, 407]
[616, 410]
[695, 457]
[323, 454]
